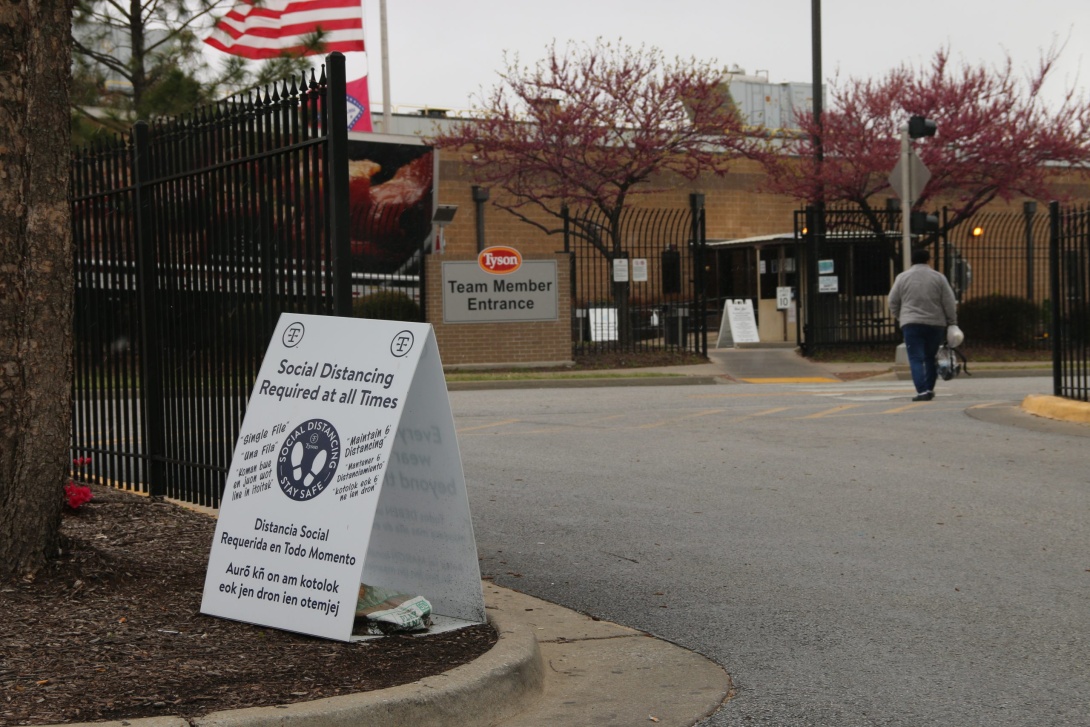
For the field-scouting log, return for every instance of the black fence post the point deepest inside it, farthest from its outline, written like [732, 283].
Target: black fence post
[480, 196]
[576, 326]
[1056, 292]
[149, 391]
[1029, 209]
[813, 323]
[336, 174]
[696, 206]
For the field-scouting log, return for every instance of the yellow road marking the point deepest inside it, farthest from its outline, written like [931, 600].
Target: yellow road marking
[906, 407]
[830, 412]
[793, 380]
[766, 412]
[750, 395]
[681, 418]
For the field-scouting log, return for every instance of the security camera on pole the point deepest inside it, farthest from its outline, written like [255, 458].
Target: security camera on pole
[908, 178]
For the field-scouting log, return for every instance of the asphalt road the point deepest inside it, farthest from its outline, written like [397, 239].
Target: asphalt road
[849, 557]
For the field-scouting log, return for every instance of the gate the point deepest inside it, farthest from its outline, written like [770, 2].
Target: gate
[850, 259]
[1069, 253]
[191, 236]
[637, 283]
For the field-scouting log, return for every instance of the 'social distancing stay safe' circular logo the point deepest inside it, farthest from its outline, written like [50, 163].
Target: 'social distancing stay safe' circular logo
[308, 459]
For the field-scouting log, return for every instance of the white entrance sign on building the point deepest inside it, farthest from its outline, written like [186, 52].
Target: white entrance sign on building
[828, 284]
[346, 472]
[738, 325]
[472, 294]
[639, 270]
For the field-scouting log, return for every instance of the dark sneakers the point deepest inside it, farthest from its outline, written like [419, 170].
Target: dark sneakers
[926, 396]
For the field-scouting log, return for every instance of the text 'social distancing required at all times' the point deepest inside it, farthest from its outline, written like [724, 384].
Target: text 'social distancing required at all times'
[346, 471]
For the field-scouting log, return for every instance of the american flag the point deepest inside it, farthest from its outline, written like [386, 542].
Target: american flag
[260, 29]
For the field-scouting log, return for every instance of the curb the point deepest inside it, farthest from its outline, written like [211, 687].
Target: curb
[1057, 407]
[494, 687]
[667, 380]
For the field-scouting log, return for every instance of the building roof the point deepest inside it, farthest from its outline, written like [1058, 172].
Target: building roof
[776, 238]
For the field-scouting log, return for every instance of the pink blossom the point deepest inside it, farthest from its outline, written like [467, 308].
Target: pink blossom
[77, 495]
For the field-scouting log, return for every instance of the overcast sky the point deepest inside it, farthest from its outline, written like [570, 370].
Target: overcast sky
[442, 52]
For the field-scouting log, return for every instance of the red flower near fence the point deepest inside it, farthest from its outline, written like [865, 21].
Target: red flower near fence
[76, 496]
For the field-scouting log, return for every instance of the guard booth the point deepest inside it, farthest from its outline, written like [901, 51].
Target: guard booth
[832, 291]
[765, 270]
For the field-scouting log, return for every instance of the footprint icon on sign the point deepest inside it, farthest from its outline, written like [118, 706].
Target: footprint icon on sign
[297, 461]
[316, 467]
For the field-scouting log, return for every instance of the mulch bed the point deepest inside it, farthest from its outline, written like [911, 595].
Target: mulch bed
[112, 630]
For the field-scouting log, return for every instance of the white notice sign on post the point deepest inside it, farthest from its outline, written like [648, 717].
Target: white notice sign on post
[346, 472]
[620, 270]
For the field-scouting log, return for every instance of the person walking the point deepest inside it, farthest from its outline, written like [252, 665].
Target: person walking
[923, 303]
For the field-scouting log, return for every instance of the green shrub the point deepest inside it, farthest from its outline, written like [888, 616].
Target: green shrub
[1000, 320]
[390, 305]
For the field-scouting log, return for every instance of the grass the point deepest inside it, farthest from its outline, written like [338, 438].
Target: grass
[600, 365]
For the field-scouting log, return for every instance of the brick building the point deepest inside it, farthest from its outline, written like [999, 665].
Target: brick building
[751, 237]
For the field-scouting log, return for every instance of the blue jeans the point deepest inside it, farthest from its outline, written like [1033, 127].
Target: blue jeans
[922, 345]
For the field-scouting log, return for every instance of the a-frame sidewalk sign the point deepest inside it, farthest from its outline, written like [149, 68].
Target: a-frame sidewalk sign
[346, 471]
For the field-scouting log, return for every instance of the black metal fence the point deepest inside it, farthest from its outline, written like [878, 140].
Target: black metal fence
[637, 285]
[1069, 253]
[999, 266]
[191, 236]
[997, 263]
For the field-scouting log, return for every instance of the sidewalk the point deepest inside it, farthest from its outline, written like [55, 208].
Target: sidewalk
[551, 666]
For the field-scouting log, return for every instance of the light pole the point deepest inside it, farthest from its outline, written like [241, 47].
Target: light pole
[908, 180]
[914, 176]
[811, 316]
[906, 204]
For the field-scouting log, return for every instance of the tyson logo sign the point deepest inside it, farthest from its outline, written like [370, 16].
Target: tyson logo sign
[500, 260]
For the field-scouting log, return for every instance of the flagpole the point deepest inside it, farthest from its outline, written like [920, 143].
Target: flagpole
[385, 70]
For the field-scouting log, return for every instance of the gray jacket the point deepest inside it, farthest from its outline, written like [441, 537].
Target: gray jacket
[923, 295]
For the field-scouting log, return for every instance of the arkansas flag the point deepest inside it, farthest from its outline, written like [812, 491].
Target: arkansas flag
[359, 105]
[260, 29]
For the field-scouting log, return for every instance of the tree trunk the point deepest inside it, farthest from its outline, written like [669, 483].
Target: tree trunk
[36, 279]
[138, 74]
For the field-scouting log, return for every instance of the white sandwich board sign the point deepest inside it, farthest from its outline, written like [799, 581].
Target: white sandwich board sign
[738, 324]
[346, 472]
